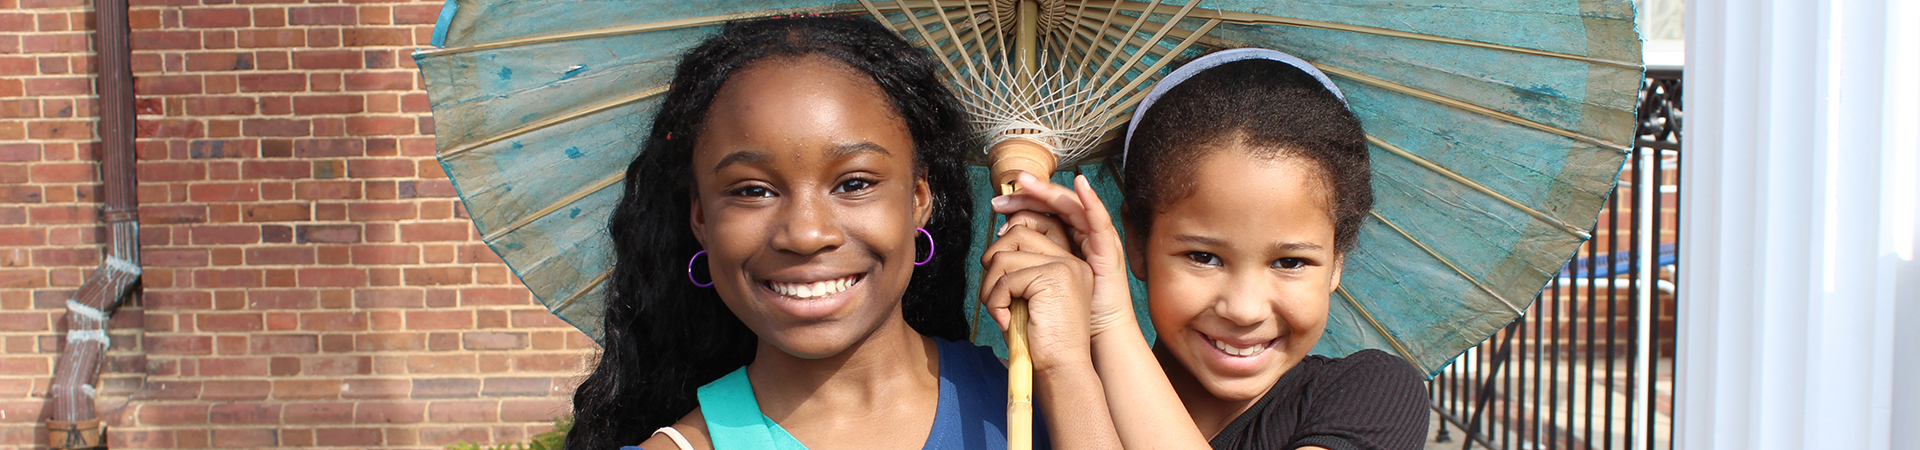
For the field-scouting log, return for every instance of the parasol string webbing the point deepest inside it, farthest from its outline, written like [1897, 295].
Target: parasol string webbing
[1477, 186]
[1063, 103]
[1070, 103]
[1443, 260]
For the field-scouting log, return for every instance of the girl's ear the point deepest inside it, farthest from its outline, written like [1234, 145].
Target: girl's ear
[696, 219]
[922, 202]
[1339, 262]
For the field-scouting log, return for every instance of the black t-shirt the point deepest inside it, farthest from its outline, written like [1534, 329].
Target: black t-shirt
[1367, 400]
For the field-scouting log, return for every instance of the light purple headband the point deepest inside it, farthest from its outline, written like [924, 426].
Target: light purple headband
[1210, 61]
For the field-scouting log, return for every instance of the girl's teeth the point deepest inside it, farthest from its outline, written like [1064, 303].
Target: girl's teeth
[814, 289]
[1236, 351]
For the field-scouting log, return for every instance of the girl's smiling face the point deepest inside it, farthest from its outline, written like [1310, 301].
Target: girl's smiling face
[806, 201]
[1239, 270]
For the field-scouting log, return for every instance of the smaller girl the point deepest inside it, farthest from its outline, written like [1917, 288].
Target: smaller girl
[1245, 183]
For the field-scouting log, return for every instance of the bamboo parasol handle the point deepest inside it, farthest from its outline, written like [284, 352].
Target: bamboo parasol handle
[1008, 159]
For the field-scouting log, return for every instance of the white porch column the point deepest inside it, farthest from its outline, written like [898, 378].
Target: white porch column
[1799, 191]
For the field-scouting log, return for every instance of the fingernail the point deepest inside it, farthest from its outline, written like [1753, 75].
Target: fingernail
[1003, 229]
[1000, 201]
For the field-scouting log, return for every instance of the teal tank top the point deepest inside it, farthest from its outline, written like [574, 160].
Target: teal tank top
[972, 414]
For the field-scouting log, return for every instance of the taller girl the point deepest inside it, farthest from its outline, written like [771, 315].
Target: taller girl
[788, 263]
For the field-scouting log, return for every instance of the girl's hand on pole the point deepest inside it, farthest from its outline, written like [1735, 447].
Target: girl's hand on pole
[1094, 239]
[1026, 263]
[1144, 408]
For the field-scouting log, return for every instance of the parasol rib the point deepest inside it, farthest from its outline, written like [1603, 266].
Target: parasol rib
[1482, 110]
[1247, 18]
[1443, 260]
[948, 25]
[555, 206]
[1093, 47]
[1056, 35]
[529, 128]
[921, 28]
[1188, 37]
[1108, 79]
[979, 39]
[1154, 42]
[1091, 34]
[1128, 102]
[956, 45]
[583, 292]
[1462, 179]
[1391, 339]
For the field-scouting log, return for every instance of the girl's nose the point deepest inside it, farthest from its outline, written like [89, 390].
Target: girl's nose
[1246, 300]
[809, 227]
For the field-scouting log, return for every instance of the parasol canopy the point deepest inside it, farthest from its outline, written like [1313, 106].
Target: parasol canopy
[1496, 127]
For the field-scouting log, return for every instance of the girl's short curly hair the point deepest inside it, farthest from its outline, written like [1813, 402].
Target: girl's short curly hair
[1269, 107]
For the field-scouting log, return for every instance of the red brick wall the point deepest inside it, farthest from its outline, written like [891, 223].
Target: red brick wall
[310, 281]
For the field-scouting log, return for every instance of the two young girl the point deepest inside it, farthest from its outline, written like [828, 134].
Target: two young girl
[780, 282]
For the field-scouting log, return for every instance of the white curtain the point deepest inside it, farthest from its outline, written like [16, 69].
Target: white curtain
[1797, 313]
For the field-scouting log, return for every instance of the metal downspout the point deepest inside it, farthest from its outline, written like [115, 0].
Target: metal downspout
[73, 422]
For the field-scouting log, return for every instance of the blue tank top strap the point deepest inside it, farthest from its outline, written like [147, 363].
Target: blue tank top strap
[734, 420]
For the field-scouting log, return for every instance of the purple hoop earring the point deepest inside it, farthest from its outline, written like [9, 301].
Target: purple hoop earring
[929, 248]
[690, 261]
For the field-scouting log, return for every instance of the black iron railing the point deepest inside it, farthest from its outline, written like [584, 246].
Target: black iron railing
[1591, 364]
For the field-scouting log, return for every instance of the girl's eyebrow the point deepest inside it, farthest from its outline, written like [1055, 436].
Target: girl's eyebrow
[1297, 246]
[843, 151]
[1201, 240]
[753, 157]
[1217, 242]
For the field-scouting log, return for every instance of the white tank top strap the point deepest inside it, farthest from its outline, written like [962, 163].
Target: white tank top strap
[674, 434]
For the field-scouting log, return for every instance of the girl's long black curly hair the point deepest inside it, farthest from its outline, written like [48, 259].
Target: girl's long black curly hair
[665, 337]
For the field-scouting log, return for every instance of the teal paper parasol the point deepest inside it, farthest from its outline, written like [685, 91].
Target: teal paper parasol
[1497, 128]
